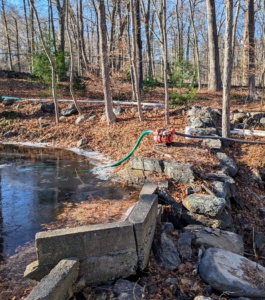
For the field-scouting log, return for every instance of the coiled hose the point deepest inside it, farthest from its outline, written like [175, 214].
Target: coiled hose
[124, 158]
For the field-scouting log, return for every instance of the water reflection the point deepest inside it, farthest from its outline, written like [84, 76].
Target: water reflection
[31, 196]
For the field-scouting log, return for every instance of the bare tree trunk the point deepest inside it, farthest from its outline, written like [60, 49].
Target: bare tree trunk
[135, 59]
[235, 26]
[17, 43]
[82, 40]
[165, 60]
[214, 78]
[249, 50]
[139, 46]
[71, 59]
[52, 63]
[52, 25]
[195, 43]
[27, 26]
[146, 15]
[32, 35]
[7, 37]
[228, 58]
[130, 53]
[105, 62]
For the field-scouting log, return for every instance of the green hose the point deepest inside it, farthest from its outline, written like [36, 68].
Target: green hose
[124, 158]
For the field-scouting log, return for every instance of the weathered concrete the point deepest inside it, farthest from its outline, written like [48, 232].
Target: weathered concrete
[83, 242]
[58, 284]
[99, 269]
[149, 188]
[146, 164]
[143, 217]
[36, 272]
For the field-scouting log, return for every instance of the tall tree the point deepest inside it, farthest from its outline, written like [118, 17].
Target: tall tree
[214, 78]
[51, 61]
[105, 61]
[249, 50]
[7, 37]
[228, 58]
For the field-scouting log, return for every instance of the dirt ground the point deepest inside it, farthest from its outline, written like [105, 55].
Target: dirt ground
[118, 139]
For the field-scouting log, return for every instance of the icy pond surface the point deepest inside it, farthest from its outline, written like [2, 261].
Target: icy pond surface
[36, 184]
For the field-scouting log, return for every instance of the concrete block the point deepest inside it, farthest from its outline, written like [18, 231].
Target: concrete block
[83, 242]
[137, 162]
[143, 216]
[57, 285]
[102, 268]
[149, 188]
[35, 272]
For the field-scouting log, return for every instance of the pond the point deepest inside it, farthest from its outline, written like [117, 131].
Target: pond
[40, 188]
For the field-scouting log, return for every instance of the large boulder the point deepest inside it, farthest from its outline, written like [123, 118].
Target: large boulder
[231, 273]
[178, 171]
[204, 204]
[216, 238]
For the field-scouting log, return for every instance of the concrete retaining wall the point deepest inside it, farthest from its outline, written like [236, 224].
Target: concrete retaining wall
[105, 251]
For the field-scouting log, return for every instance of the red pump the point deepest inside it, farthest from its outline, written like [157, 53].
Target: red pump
[163, 136]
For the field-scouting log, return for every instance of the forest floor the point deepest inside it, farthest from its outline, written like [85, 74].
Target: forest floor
[116, 141]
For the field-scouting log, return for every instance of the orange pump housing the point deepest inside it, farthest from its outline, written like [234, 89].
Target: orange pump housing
[163, 136]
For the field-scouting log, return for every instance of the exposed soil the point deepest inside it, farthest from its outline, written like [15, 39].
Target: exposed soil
[117, 140]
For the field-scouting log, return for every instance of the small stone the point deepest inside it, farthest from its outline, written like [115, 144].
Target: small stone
[134, 110]
[8, 102]
[42, 125]
[10, 134]
[259, 240]
[262, 121]
[81, 142]
[214, 144]
[80, 119]
[257, 115]
[239, 116]
[93, 118]
[262, 211]
[189, 190]
[47, 108]
[184, 245]
[69, 111]
[118, 110]
[171, 280]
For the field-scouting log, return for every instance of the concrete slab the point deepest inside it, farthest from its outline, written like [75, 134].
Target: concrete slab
[57, 285]
[84, 242]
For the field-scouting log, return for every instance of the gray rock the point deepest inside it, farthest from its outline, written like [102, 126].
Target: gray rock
[184, 245]
[257, 115]
[153, 164]
[202, 298]
[10, 134]
[127, 290]
[171, 280]
[232, 273]
[69, 111]
[93, 118]
[118, 110]
[81, 142]
[42, 125]
[216, 238]
[165, 251]
[47, 108]
[129, 177]
[80, 119]
[223, 221]
[205, 112]
[262, 121]
[204, 204]
[240, 116]
[262, 211]
[259, 240]
[205, 131]
[180, 172]
[214, 144]
[8, 102]
[227, 163]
